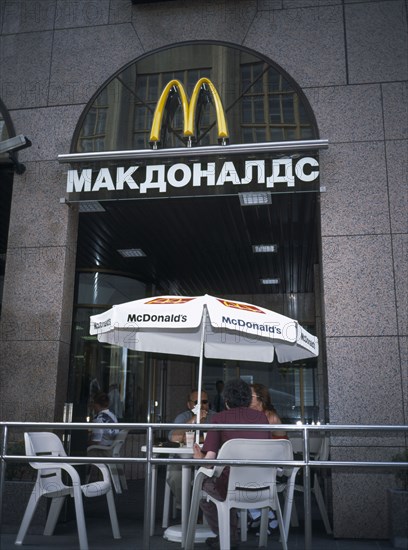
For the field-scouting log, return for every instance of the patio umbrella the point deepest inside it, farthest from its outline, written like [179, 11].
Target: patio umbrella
[204, 326]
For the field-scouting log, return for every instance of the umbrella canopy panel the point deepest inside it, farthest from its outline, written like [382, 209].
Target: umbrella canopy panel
[216, 327]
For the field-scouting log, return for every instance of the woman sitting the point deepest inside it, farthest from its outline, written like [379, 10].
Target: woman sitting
[261, 401]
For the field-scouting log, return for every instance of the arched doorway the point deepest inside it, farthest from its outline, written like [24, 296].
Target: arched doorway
[264, 252]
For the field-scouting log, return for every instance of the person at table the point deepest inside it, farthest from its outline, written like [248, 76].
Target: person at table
[238, 397]
[103, 415]
[188, 416]
[101, 437]
[179, 436]
[261, 401]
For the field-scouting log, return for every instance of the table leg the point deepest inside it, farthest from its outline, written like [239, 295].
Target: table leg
[185, 500]
[153, 500]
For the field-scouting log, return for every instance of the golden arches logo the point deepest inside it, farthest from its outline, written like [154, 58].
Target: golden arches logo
[242, 307]
[170, 301]
[189, 108]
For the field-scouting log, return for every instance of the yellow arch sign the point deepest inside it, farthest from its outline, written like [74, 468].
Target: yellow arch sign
[189, 109]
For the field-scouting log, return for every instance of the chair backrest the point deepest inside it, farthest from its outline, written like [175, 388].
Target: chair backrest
[323, 451]
[43, 444]
[319, 445]
[254, 484]
[118, 442]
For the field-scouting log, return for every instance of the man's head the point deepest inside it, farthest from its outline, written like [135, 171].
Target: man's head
[193, 400]
[237, 393]
[101, 401]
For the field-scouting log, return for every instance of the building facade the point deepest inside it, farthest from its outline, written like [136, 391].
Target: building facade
[78, 77]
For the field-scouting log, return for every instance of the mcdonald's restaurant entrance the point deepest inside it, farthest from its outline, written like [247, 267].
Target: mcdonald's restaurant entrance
[219, 194]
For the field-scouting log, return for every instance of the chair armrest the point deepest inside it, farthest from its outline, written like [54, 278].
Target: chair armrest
[100, 447]
[105, 472]
[56, 466]
[73, 474]
[207, 472]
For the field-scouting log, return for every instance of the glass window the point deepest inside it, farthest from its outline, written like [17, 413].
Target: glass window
[117, 371]
[271, 102]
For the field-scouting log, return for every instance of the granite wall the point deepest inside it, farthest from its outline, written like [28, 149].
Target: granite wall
[350, 58]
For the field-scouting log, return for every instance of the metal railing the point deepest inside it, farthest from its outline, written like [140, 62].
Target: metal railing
[306, 464]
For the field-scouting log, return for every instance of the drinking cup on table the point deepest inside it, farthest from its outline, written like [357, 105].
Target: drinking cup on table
[189, 439]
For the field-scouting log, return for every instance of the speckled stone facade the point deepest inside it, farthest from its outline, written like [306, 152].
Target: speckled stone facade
[350, 58]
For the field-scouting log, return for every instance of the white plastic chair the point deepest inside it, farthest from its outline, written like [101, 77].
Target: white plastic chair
[248, 487]
[319, 449]
[49, 484]
[114, 450]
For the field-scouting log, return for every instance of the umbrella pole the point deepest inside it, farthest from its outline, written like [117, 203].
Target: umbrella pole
[200, 371]
[302, 397]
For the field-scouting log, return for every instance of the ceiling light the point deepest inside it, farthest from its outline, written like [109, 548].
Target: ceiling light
[267, 248]
[270, 281]
[255, 199]
[90, 206]
[132, 253]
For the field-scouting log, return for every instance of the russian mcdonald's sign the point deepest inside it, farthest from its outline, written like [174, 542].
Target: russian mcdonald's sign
[216, 170]
[189, 109]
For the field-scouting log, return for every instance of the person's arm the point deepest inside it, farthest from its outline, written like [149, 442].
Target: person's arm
[95, 435]
[179, 435]
[273, 418]
[198, 453]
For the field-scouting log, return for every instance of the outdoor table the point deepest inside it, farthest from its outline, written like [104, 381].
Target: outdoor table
[177, 533]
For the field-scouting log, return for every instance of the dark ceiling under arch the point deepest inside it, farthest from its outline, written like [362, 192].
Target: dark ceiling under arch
[204, 245]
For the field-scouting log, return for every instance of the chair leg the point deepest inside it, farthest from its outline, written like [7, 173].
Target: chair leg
[53, 514]
[263, 528]
[322, 507]
[115, 478]
[192, 520]
[28, 515]
[121, 471]
[224, 525]
[294, 520]
[112, 514]
[288, 509]
[243, 514]
[166, 505]
[80, 518]
[282, 530]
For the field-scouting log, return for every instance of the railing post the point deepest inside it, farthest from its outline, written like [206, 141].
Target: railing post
[2, 469]
[148, 489]
[306, 491]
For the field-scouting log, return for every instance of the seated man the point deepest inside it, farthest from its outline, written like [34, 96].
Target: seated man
[186, 417]
[237, 396]
[103, 415]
